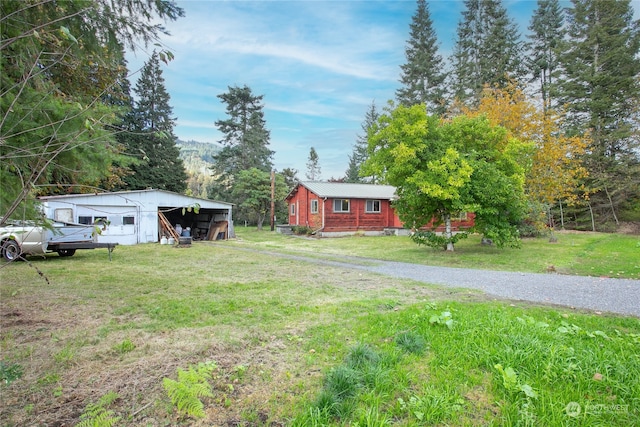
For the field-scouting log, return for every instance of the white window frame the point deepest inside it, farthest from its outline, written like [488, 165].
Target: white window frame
[292, 210]
[341, 201]
[314, 206]
[373, 209]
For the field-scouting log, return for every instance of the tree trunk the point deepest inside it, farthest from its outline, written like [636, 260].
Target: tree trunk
[261, 217]
[613, 209]
[447, 231]
[593, 221]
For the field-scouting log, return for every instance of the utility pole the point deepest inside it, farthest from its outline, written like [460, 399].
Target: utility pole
[273, 199]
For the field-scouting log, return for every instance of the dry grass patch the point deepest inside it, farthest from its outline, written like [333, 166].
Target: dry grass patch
[122, 326]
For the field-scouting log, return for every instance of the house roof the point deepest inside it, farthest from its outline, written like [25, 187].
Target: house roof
[162, 195]
[349, 190]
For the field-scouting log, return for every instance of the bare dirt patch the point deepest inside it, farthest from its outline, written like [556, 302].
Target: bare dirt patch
[630, 227]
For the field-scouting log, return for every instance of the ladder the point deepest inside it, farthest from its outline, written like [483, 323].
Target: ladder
[166, 227]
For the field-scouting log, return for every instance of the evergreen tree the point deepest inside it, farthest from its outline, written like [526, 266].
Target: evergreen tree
[246, 138]
[290, 177]
[601, 87]
[422, 76]
[252, 193]
[546, 37]
[245, 146]
[61, 62]
[359, 154]
[313, 165]
[488, 50]
[120, 97]
[151, 135]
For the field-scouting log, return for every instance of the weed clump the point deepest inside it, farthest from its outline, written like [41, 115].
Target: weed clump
[411, 342]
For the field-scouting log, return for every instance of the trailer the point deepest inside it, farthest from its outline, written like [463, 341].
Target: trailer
[21, 238]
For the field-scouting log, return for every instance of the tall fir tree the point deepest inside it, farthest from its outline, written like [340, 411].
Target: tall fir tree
[313, 165]
[120, 97]
[245, 145]
[359, 154]
[545, 40]
[245, 138]
[601, 87]
[488, 50]
[151, 136]
[422, 75]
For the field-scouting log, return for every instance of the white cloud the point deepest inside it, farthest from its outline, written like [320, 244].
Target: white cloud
[319, 65]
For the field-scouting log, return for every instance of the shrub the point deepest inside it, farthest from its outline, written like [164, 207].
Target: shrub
[433, 240]
[301, 230]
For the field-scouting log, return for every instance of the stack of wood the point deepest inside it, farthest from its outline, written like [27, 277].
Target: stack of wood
[216, 228]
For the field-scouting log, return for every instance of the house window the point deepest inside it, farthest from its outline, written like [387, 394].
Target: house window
[128, 220]
[373, 206]
[314, 206]
[341, 205]
[293, 208]
[461, 216]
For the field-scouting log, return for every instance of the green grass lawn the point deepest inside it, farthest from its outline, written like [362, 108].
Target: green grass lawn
[586, 254]
[275, 342]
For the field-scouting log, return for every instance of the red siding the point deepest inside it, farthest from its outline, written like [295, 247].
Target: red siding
[357, 218]
[303, 215]
[354, 220]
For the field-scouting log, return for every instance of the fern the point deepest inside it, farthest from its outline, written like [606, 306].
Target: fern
[192, 385]
[97, 414]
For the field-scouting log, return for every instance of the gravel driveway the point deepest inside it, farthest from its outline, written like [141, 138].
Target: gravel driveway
[621, 296]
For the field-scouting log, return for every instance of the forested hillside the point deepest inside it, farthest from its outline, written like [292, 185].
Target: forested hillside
[198, 159]
[197, 154]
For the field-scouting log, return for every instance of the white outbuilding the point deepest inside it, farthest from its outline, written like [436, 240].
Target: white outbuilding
[143, 216]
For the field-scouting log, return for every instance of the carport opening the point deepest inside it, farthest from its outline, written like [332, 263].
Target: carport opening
[207, 224]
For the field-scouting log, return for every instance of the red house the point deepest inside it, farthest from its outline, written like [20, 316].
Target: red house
[336, 208]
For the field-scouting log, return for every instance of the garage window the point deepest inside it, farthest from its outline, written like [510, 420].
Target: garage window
[128, 220]
[86, 220]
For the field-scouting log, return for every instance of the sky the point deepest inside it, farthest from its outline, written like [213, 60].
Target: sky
[318, 63]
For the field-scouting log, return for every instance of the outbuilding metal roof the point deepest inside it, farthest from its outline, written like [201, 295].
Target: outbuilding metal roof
[160, 197]
[346, 190]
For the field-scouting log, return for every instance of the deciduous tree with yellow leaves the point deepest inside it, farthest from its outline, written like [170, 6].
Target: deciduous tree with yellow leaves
[555, 171]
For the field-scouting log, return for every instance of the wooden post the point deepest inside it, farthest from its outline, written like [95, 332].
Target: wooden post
[273, 199]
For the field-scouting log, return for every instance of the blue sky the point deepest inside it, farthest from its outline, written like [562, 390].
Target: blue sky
[319, 65]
